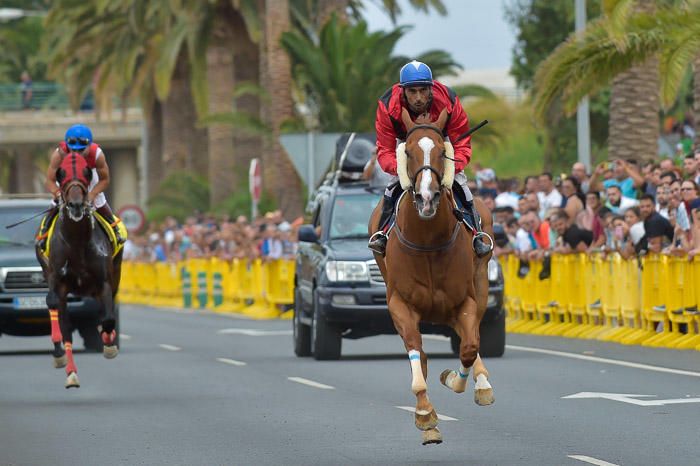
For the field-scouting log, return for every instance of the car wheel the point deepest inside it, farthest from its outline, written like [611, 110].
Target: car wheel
[325, 338]
[455, 342]
[302, 333]
[493, 337]
[91, 338]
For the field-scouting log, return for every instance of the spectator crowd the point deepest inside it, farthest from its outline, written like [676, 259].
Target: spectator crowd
[620, 207]
[623, 207]
[268, 237]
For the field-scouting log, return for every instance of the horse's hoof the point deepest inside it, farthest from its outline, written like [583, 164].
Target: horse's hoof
[110, 352]
[483, 393]
[60, 362]
[426, 421]
[432, 436]
[72, 381]
[450, 379]
[484, 397]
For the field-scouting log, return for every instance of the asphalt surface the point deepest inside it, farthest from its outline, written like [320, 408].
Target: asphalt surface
[178, 404]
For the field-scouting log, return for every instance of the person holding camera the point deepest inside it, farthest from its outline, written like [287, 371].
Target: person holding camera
[625, 176]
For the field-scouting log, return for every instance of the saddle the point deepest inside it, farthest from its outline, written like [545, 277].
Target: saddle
[104, 224]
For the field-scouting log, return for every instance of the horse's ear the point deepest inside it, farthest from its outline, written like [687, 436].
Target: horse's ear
[60, 175]
[442, 119]
[406, 118]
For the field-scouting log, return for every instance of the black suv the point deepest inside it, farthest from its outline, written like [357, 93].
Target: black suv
[338, 289]
[23, 289]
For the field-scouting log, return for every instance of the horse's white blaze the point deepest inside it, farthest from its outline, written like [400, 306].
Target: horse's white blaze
[418, 382]
[482, 383]
[427, 145]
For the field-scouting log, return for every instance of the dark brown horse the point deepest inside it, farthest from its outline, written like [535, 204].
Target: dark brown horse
[431, 272]
[80, 262]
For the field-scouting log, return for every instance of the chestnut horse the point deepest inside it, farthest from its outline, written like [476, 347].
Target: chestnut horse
[80, 262]
[430, 270]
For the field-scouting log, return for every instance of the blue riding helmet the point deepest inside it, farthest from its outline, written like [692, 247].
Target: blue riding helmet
[415, 73]
[78, 137]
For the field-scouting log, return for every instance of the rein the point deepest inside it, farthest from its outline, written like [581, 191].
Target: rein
[417, 247]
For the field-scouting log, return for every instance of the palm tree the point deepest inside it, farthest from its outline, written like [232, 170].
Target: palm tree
[280, 179]
[340, 78]
[623, 47]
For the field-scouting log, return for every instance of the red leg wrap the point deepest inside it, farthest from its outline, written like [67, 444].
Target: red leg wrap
[56, 336]
[69, 354]
[108, 338]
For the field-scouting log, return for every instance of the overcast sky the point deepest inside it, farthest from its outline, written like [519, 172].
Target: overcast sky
[474, 32]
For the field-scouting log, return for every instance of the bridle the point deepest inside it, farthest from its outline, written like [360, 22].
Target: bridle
[65, 189]
[427, 167]
[399, 235]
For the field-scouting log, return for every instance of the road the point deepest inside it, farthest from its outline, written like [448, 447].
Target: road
[206, 389]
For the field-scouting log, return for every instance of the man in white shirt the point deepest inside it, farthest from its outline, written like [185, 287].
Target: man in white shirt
[616, 202]
[548, 195]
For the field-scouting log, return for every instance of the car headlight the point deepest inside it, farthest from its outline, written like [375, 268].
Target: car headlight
[347, 271]
[493, 270]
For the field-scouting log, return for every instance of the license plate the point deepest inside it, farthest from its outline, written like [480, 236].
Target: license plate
[29, 302]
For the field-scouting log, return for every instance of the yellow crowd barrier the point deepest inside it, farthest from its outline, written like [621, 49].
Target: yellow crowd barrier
[653, 301]
[258, 289]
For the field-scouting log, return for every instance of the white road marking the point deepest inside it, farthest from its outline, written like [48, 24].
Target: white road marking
[615, 362]
[233, 362]
[253, 332]
[124, 336]
[310, 383]
[631, 398]
[442, 417]
[436, 337]
[588, 459]
[170, 347]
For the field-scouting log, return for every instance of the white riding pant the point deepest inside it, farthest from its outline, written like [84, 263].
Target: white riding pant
[460, 178]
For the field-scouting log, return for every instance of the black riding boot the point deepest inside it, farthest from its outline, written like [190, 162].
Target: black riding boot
[43, 234]
[377, 241]
[481, 248]
[106, 212]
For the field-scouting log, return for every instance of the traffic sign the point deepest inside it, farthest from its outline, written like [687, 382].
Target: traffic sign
[133, 218]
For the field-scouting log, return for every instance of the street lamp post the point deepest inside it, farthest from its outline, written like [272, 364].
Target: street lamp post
[583, 130]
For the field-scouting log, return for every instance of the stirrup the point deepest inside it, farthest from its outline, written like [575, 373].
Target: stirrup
[376, 237]
[477, 236]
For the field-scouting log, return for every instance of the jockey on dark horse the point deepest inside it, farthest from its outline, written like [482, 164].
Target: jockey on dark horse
[79, 140]
[422, 96]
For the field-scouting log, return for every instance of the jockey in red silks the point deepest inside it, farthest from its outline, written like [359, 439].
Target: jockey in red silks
[421, 95]
[78, 140]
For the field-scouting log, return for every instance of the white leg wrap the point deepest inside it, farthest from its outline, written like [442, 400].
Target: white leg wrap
[482, 383]
[457, 381]
[418, 382]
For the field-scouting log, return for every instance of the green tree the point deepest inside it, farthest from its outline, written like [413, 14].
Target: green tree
[340, 79]
[540, 27]
[645, 52]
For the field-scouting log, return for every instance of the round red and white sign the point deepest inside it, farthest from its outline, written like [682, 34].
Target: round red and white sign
[133, 218]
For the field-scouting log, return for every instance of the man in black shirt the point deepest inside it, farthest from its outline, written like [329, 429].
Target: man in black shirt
[656, 227]
[574, 239]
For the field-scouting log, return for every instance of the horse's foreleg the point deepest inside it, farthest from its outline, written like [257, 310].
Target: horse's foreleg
[468, 330]
[406, 322]
[483, 392]
[109, 333]
[67, 332]
[54, 304]
[468, 348]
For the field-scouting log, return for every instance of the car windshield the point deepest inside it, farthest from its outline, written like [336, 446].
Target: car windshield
[22, 234]
[351, 215]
